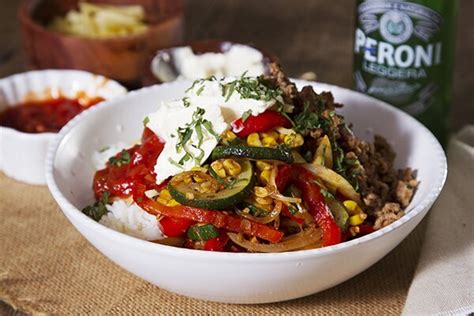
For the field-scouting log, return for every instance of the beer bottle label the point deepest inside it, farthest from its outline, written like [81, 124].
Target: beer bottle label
[401, 56]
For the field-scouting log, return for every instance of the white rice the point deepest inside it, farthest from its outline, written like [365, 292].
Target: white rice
[132, 220]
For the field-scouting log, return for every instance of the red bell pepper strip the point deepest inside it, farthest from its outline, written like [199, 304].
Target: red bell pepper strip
[260, 123]
[284, 175]
[217, 218]
[175, 227]
[304, 181]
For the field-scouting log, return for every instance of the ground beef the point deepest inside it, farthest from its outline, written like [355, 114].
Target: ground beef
[280, 80]
[368, 166]
[389, 213]
[406, 186]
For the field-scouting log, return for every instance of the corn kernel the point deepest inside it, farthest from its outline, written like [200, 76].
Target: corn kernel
[198, 179]
[262, 165]
[232, 167]
[265, 176]
[269, 142]
[205, 187]
[357, 219]
[271, 134]
[165, 194]
[190, 195]
[218, 168]
[352, 207]
[229, 135]
[254, 140]
[261, 192]
[294, 140]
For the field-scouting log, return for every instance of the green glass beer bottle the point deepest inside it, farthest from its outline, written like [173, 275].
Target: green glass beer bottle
[403, 55]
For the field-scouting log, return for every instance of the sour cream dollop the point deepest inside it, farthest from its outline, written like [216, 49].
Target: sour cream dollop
[190, 127]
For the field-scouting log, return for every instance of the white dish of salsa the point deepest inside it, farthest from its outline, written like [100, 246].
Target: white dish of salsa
[34, 106]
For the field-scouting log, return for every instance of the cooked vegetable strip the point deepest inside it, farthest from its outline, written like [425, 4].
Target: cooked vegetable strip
[282, 153]
[304, 181]
[298, 241]
[334, 179]
[218, 219]
[323, 154]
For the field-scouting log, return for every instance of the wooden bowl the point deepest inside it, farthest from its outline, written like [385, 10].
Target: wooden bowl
[200, 47]
[120, 58]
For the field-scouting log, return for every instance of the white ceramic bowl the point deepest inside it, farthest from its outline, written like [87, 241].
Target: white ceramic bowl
[238, 277]
[22, 155]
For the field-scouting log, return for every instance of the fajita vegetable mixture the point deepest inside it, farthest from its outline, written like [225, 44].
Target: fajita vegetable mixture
[250, 164]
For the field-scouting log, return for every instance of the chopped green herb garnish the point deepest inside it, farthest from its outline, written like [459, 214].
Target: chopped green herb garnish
[208, 125]
[246, 115]
[293, 210]
[200, 90]
[123, 158]
[250, 88]
[256, 211]
[228, 90]
[98, 209]
[146, 120]
[306, 120]
[202, 232]
[175, 163]
[186, 102]
[185, 134]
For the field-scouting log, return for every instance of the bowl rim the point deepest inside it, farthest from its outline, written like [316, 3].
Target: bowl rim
[25, 18]
[40, 136]
[142, 245]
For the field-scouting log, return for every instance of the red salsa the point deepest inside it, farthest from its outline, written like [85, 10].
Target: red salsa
[47, 116]
[131, 172]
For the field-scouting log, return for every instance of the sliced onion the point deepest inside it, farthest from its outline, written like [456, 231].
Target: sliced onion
[323, 154]
[301, 240]
[273, 175]
[332, 178]
[288, 199]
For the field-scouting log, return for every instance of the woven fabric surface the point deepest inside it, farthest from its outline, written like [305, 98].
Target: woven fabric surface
[46, 266]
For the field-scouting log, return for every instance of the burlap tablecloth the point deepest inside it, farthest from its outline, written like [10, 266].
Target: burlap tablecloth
[47, 267]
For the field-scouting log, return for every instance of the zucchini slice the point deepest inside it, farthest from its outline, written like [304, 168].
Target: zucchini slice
[339, 212]
[188, 194]
[281, 153]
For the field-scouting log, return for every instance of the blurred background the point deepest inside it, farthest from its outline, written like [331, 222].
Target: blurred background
[306, 35]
